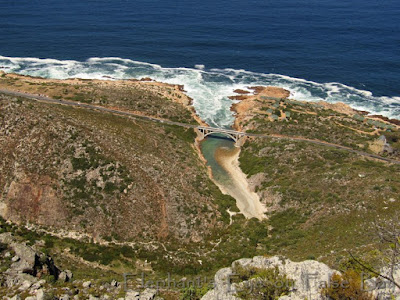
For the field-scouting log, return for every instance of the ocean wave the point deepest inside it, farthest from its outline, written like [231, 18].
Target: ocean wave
[208, 88]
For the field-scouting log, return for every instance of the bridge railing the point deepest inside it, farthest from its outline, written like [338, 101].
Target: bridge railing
[221, 130]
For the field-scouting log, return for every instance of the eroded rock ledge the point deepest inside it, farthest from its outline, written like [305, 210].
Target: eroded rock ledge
[305, 279]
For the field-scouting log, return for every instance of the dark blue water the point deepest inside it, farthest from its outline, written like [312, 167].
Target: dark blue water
[356, 43]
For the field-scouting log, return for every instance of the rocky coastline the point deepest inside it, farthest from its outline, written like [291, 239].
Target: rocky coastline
[249, 101]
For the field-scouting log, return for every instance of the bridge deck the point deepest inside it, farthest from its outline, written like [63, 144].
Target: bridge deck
[222, 130]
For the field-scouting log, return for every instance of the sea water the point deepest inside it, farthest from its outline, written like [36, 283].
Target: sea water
[345, 51]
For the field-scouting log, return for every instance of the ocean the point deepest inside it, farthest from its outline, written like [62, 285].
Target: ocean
[347, 51]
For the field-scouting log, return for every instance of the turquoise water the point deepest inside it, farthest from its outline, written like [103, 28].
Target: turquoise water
[208, 147]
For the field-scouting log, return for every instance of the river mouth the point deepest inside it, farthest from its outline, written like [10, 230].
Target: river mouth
[222, 158]
[210, 147]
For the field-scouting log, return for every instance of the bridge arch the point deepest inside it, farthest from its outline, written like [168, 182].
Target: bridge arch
[236, 136]
[229, 135]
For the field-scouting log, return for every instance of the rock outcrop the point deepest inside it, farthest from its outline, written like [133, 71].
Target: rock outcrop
[308, 276]
[383, 289]
[28, 266]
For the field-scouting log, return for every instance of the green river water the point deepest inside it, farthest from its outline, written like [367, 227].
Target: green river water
[208, 148]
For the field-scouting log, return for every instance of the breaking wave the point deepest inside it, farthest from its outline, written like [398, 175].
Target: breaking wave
[208, 88]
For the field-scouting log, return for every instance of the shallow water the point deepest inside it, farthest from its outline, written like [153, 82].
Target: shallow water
[221, 155]
[209, 147]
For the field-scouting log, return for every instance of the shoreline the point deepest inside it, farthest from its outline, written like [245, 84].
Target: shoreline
[178, 94]
[247, 201]
[247, 101]
[241, 95]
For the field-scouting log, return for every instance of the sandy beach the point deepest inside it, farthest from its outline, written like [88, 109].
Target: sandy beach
[247, 201]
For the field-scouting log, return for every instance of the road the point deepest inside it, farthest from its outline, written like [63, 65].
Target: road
[153, 119]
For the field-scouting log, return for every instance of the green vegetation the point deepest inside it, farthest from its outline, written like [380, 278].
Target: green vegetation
[320, 194]
[346, 286]
[315, 122]
[262, 284]
[128, 95]
[194, 293]
[96, 157]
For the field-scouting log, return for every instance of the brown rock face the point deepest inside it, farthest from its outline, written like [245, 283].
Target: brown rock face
[240, 97]
[249, 103]
[393, 121]
[271, 91]
[32, 199]
[242, 92]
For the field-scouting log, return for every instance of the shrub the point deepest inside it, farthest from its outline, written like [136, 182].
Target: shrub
[3, 247]
[346, 286]
[80, 163]
[110, 187]
[262, 284]
[194, 293]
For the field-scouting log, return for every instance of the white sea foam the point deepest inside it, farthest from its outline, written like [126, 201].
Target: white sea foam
[208, 88]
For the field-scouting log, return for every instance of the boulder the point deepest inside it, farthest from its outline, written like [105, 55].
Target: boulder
[6, 238]
[148, 294]
[114, 283]
[69, 274]
[132, 295]
[40, 294]
[383, 289]
[26, 284]
[38, 284]
[307, 276]
[26, 260]
[63, 277]
[25, 281]
[222, 288]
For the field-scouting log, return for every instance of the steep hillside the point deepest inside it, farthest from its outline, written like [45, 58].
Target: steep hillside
[101, 174]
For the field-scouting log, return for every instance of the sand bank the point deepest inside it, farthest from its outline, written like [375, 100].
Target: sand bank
[247, 201]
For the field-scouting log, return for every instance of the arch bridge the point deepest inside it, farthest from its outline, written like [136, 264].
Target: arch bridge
[237, 136]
